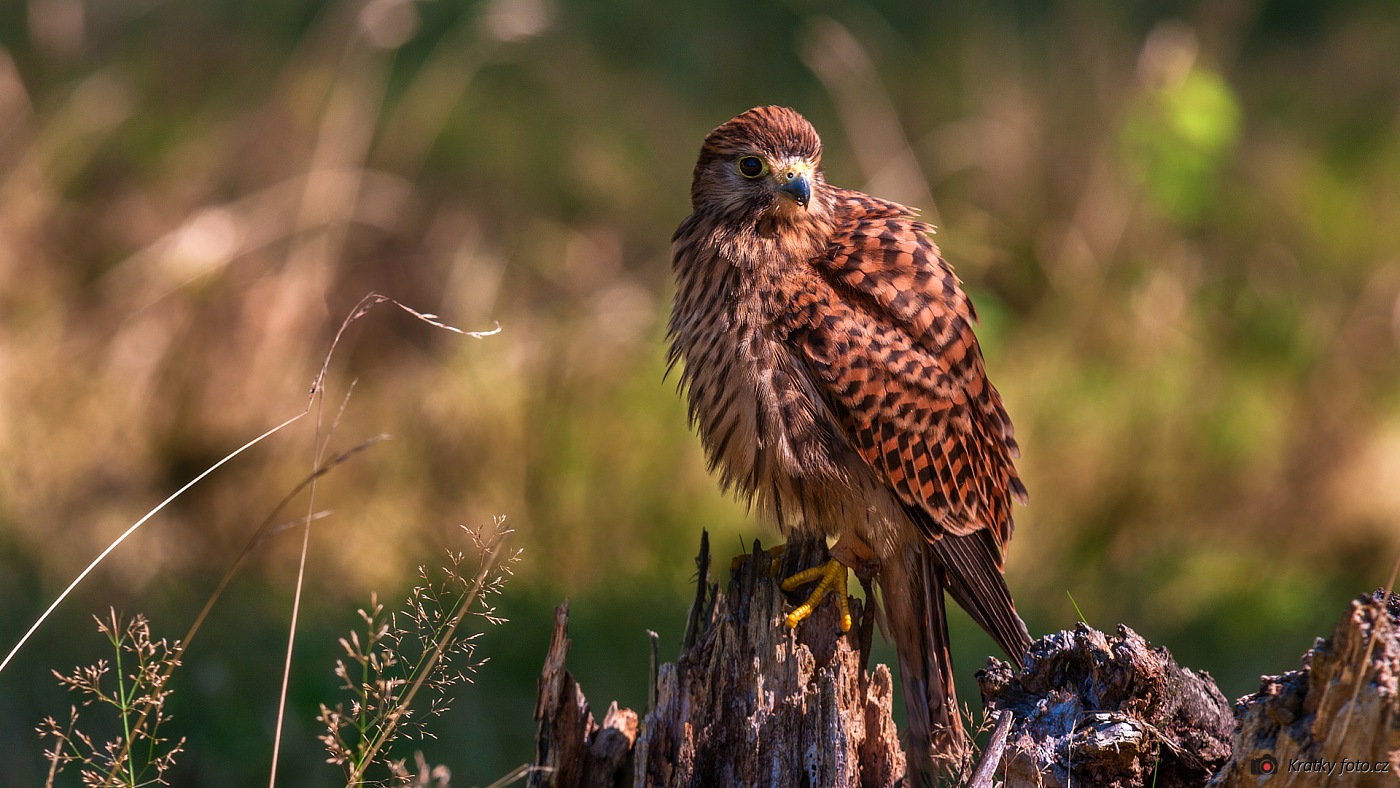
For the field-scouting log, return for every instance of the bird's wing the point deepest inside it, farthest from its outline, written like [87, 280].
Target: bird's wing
[898, 356]
[891, 341]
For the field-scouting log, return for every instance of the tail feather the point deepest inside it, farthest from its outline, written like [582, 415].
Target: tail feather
[972, 572]
[916, 619]
[971, 568]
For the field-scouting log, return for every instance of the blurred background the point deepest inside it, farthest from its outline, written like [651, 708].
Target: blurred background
[1179, 221]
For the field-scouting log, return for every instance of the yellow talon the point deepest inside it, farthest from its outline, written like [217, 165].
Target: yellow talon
[832, 577]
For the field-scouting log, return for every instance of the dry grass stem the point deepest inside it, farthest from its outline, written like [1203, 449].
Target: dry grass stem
[134, 687]
[421, 646]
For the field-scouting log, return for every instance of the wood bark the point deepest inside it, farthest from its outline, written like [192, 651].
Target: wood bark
[1107, 711]
[571, 749]
[750, 702]
[1336, 721]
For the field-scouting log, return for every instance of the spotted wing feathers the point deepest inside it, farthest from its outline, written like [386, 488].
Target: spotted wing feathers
[894, 345]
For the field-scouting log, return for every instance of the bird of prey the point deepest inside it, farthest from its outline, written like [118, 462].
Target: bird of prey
[829, 363]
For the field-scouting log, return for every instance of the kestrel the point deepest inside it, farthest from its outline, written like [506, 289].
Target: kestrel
[830, 365]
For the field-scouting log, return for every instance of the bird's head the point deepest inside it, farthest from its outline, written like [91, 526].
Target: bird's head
[763, 164]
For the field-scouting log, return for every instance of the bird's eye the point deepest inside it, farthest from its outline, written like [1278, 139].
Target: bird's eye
[751, 167]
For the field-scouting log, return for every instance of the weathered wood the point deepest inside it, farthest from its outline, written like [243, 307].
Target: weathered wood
[985, 775]
[754, 703]
[749, 701]
[1094, 710]
[571, 749]
[1337, 720]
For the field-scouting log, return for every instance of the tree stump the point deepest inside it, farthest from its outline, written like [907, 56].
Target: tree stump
[749, 701]
[1095, 710]
[753, 702]
[571, 749]
[1334, 722]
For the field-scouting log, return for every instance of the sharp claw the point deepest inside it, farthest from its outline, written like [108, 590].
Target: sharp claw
[795, 617]
[832, 577]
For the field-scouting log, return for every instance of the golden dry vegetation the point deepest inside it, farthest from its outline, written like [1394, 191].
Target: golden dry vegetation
[1178, 223]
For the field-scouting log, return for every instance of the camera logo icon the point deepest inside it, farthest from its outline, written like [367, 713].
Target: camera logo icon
[1264, 764]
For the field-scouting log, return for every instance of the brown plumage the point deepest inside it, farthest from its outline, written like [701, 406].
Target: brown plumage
[830, 365]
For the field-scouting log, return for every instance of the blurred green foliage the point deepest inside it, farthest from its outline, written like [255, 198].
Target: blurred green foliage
[1178, 222]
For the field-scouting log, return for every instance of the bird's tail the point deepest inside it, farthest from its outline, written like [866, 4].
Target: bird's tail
[916, 620]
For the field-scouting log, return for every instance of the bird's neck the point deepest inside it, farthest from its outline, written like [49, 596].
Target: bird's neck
[776, 240]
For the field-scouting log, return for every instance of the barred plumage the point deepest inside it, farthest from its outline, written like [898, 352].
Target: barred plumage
[830, 365]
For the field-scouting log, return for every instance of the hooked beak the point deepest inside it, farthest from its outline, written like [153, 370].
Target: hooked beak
[796, 184]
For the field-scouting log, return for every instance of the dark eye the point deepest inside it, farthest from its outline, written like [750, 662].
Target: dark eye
[751, 167]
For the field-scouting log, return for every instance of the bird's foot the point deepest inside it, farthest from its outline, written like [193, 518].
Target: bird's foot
[831, 578]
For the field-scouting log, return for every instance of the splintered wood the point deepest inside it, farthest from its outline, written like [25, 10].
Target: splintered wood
[1107, 711]
[570, 747]
[749, 702]
[1334, 722]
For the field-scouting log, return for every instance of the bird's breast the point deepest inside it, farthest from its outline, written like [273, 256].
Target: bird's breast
[766, 431]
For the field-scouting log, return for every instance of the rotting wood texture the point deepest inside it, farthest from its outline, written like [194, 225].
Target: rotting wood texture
[749, 701]
[1334, 722]
[1107, 711]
